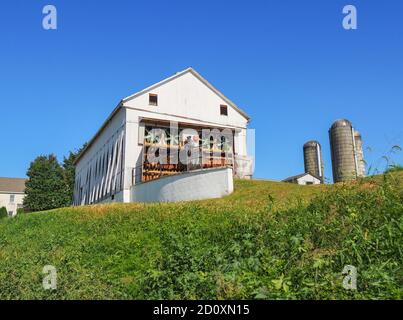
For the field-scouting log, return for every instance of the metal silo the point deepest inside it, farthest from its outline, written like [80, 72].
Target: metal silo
[359, 154]
[313, 159]
[342, 145]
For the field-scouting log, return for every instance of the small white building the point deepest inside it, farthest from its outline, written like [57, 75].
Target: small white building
[303, 179]
[12, 194]
[150, 133]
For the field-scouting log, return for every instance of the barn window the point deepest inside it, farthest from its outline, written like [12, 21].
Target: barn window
[153, 99]
[224, 110]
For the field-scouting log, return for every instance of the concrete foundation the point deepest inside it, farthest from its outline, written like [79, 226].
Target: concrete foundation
[195, 185]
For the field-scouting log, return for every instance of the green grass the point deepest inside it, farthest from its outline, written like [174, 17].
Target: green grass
[267, 240]
[394, 168]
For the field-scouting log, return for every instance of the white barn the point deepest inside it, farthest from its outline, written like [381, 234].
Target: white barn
[176, 116]
[303, 179]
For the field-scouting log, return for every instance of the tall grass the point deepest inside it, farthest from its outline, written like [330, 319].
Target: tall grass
[266, 241]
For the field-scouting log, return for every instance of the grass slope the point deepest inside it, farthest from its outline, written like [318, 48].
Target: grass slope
[267, 240]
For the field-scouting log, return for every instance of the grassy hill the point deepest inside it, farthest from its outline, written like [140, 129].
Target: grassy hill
[267, 240]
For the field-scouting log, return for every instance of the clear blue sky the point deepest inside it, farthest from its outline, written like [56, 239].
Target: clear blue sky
[289, 64]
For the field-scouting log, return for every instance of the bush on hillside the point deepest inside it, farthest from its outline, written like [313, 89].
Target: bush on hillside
[3, 213]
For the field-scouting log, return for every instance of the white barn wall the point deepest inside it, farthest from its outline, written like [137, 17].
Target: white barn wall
[118, 197]
[189, 98]
[240, 142]
[99, 171]
[133, 159]
[205, 184]
[308, 179]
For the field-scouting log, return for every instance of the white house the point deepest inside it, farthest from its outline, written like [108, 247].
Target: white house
[181, 128]
[12, 194]
[303, 179]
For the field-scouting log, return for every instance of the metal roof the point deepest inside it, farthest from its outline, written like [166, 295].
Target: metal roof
[312, 143]
[341, 123]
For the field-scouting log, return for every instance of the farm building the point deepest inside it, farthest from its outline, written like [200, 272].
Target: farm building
[12, 194]
[303, 179]
[179, 139]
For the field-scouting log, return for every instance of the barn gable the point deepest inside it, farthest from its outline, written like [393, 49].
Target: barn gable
[188, 94]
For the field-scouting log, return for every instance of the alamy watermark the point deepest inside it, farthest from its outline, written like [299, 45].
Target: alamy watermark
[49, 21]
[50, 279]
[190, 147]
[350, 20]
[350, 277]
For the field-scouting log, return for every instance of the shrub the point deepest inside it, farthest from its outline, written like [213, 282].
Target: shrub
[3, 213]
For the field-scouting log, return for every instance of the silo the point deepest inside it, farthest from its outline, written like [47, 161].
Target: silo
[313, 159]
[359, 154]
[342, 145]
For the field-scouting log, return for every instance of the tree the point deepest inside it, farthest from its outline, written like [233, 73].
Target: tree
[69, 173]
[46, 187]
[69, 170]
[3, 212]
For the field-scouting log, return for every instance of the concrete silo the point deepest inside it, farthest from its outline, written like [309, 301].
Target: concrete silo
[345, 153]
[359, 154]
[313, 159]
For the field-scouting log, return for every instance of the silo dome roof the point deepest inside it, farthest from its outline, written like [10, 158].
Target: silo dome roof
[311, 143]
[341, 123]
